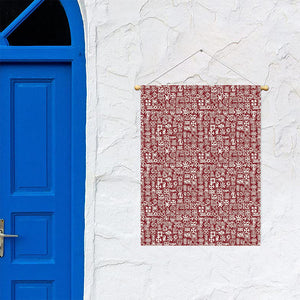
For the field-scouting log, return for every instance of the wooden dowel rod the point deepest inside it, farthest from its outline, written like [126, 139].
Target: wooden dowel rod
[264, 87]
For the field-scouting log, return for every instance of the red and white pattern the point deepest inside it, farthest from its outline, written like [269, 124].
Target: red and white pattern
[200, 165]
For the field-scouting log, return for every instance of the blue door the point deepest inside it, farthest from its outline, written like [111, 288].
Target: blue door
[35, 181]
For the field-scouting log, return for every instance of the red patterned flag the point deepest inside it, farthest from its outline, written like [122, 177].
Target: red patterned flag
[200, 165]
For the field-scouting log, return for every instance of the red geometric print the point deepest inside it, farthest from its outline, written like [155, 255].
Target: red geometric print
[200, 165]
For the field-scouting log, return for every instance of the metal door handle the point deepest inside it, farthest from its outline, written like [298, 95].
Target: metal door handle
[3, 235]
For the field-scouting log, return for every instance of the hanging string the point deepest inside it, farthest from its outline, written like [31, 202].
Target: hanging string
[161, 75]
[227, 66]
[199, 51]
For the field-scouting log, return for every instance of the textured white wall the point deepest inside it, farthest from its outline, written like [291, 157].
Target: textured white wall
[131, 42]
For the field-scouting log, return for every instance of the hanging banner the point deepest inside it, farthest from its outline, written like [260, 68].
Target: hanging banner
[200, 165]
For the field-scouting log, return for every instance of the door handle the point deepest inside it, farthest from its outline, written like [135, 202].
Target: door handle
[4, 235]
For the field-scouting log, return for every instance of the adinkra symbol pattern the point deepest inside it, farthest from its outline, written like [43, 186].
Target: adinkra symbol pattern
[200, 165]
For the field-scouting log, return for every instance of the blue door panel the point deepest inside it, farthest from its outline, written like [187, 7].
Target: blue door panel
[30, 290]
[35, 180]
[31, 132]
[36, 244]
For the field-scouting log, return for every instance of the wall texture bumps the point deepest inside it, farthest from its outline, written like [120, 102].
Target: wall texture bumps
[131, 42]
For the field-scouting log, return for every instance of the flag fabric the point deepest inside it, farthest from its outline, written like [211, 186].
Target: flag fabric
[200, 165]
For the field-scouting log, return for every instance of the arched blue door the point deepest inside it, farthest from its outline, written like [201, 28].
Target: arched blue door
[42, 153]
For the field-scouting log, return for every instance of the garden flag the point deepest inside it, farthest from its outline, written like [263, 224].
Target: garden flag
[200, 165]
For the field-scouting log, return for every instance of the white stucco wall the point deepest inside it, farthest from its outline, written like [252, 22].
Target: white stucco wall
[131, 42]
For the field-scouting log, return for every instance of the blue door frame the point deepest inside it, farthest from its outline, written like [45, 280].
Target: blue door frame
[75, 55]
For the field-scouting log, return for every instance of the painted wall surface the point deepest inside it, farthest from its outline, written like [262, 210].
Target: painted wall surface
[131, 42]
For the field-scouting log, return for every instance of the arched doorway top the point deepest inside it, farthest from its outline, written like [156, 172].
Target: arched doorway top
[40, 23]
